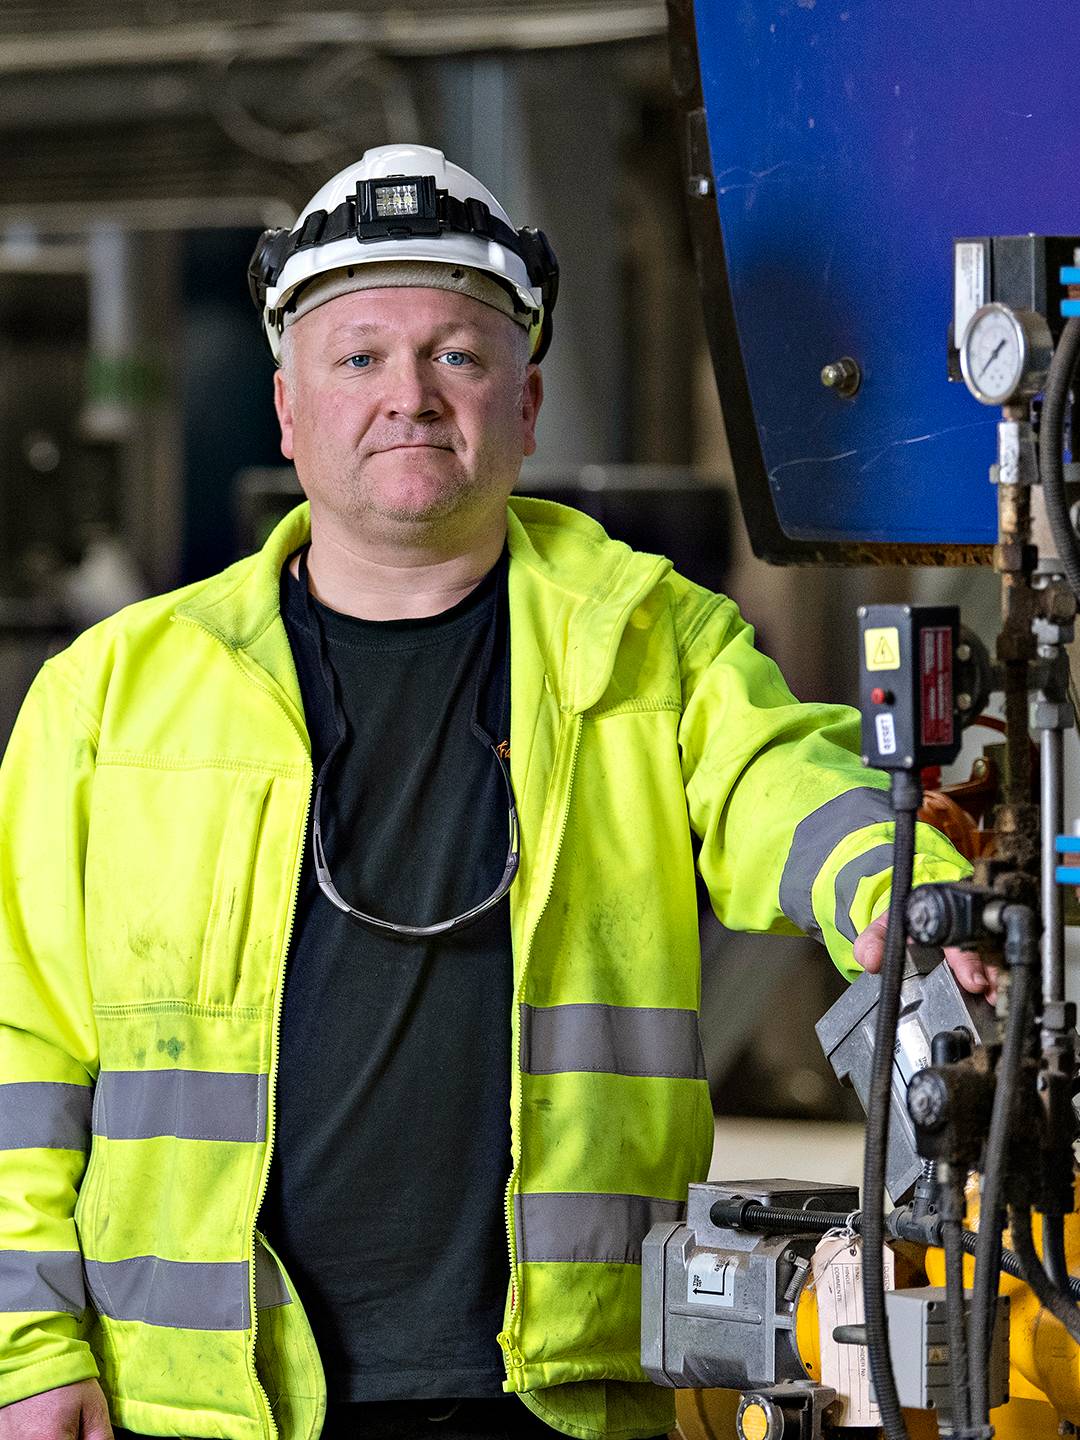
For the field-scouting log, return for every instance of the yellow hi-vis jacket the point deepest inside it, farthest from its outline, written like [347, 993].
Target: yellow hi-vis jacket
[153, 808]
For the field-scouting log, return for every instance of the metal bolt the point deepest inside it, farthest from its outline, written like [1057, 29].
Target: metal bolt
[843, 376]
[963, 651]
[963, 701]
[909, 761]
[700, 186]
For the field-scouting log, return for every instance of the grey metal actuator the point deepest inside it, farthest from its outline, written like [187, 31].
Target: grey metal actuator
[718, 1304]
[931, 1001]
[719, 1310]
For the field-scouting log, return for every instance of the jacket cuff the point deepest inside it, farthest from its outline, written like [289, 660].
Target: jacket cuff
[73, 1363]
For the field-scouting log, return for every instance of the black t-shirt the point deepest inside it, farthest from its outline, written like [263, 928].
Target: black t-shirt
[386, 1193]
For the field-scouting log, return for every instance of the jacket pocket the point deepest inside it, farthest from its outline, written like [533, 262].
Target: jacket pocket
[227, 924]
[170, 870]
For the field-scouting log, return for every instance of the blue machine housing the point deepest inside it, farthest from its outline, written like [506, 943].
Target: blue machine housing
[835, 150]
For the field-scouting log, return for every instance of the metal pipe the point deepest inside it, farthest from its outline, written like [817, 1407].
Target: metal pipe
[1052, 816]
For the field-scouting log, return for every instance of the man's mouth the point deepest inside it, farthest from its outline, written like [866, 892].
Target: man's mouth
[418, 445]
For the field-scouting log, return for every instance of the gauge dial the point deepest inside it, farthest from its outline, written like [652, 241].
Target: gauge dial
[1004, 354]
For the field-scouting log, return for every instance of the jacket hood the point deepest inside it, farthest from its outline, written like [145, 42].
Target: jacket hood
[582, 583]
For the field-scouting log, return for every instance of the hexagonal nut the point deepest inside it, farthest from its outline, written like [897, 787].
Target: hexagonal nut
[1059, 1015]
[1008, 557]
[1059, 604]
[1052, 632]
[1053, 715]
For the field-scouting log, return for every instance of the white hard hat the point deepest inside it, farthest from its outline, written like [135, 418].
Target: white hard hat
[404, 203]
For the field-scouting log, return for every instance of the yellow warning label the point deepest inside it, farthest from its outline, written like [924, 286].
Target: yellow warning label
[883, 648]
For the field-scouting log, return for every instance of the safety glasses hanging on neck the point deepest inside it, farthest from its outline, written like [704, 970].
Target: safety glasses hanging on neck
[322, 869]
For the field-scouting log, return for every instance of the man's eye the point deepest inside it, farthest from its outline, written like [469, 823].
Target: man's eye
[456, 358]
[358, 362]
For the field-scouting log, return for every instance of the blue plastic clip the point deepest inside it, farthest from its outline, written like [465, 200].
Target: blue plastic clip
[1067, 845]
[1070, 274]
[1070, 307]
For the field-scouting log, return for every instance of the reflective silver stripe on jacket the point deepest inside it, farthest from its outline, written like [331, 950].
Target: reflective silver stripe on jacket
[45, 1114]
[615, 1039]
[595, 1229]
[190, 1296]
[185, 1295]
[816, 837]
[189, 1104]
[847, 882]
[44, 1280]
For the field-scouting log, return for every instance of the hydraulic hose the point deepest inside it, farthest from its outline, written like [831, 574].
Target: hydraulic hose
[1021, 952]
[956, 1319]
[1033, 1274]
[1052, 447]
[906, 797]
[765, 1220]
[1010, 1263]
[1053, 1229]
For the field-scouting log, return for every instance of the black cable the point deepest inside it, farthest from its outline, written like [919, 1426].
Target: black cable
[956, 1319]
[1053, 1248]
[1052, 446]
[765, 1220]
[906, 797]
[1033, 1274]
[1020, 951]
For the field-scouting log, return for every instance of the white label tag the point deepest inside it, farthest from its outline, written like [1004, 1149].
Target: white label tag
[837, 1271]
[886, 734]
[710, 1279]
[911, 1051]
[969, 287]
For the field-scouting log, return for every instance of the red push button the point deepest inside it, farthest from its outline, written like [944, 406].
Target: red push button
[880, 697]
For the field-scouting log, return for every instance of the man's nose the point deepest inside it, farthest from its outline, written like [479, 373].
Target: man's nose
[412, 390]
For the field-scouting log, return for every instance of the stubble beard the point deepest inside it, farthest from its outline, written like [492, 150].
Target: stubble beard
[367, 501]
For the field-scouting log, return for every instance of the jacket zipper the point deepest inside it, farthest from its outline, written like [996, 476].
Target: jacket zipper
[271, 1116]
[275, 1027]
[506, 1339]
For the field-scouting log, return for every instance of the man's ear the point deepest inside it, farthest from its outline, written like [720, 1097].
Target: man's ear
[532, 397]
[283, 406]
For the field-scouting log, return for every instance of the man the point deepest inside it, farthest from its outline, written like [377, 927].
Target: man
[446, 1123]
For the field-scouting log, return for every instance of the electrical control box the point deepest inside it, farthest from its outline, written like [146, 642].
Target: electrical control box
[907, 665]
[1021, 271]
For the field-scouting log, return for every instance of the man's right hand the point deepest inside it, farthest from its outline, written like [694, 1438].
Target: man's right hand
[58, 1415]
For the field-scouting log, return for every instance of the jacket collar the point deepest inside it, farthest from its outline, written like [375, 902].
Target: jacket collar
[578, 586]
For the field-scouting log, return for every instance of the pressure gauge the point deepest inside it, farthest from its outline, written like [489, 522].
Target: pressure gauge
[1005, 354]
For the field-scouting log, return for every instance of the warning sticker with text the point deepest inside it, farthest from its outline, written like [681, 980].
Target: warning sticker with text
[935, 680]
